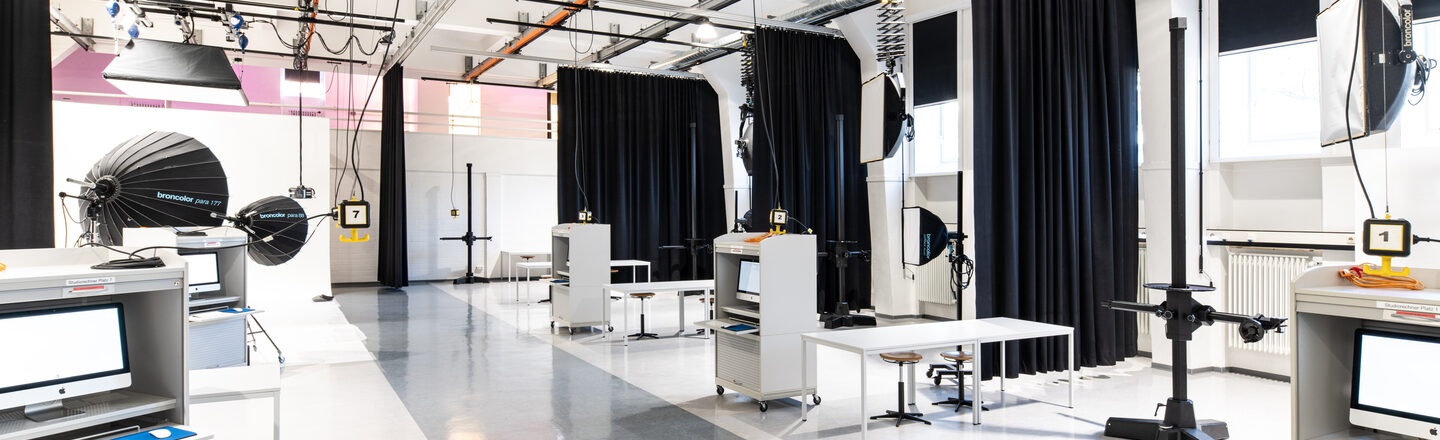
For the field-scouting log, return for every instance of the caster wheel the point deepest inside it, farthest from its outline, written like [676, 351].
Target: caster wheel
[764, 407]
[572, 331]
[719, 390]
[815, 399]
[552, 324]
[937, 381]
[611, 329]
[930, 373]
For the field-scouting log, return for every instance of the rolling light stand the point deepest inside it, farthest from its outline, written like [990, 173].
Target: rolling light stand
[840, 248]
[469, 238]
[1181, 312]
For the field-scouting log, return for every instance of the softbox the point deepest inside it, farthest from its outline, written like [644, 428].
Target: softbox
[882, 118]
[1381, 55]
[923, 237]
[154, 180]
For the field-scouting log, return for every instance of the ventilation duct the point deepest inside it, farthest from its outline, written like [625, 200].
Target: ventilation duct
[153, 69]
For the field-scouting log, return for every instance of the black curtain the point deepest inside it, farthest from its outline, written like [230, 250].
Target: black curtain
[27, 169]
[393, 270]
[804, 82]
[627, 139]
[1055, 174]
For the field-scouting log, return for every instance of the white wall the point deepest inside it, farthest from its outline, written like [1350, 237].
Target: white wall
[514, 200]
[257, 151]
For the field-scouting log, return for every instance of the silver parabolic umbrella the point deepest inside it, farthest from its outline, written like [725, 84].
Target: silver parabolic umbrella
[154, 180]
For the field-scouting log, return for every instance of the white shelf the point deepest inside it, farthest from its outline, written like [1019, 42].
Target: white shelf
[99, 409]
[720, 324]
[751, 311]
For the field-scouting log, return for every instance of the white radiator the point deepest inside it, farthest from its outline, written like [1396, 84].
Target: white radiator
[1261, 283]
[932, 282]
[1142, 296]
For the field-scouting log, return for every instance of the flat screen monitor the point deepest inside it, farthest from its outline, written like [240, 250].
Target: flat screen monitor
[203, 271]
[61, 353]
[749, 277]
[1395, 383]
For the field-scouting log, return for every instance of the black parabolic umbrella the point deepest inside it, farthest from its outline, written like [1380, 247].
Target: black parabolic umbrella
[277, 226]
[154, 180]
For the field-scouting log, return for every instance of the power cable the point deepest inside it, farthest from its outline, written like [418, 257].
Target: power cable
[1349, 134]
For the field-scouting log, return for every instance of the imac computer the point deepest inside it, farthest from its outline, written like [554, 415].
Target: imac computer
[748, 288]
[61, 353]
[203, 271]
[1395, 383]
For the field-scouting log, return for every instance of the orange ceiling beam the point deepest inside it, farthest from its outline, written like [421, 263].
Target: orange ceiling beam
[555, 19]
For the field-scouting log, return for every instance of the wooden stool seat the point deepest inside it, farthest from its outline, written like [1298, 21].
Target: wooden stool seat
[702, 300]
[642, 295]
[955, 356]
[902, 357]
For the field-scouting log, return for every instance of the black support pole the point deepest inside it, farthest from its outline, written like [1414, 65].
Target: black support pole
[1177, 206]
[469, 238]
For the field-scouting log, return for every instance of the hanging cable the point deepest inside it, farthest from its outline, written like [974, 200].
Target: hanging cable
[1349, 134]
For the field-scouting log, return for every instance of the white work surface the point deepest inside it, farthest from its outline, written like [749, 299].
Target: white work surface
[634, 273]
[677, 287]
[873, 341]
[528, 266]
[510, 267]
[237, 383]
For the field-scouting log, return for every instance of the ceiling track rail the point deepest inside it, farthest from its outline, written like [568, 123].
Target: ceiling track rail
[610, 34]
[556, 17]
[227, 49]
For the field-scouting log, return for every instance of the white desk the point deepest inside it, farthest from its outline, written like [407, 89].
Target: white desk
[237, 383]
[527, 266]
[635, 268]
[677, 287]
[873, 341]
[510, 267]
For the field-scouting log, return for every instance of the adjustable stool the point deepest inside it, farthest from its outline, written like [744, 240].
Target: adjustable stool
[954, 366]
[710, 307]
[642, 334]
[901, 359]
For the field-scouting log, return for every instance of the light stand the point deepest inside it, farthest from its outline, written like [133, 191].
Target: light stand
[841, 253]
[1181, 312]
[469, 238]
[694, 244]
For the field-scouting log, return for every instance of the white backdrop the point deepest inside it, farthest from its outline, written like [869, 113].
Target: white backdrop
[259, 156]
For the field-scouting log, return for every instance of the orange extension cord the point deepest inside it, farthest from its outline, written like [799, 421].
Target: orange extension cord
[1358, 277]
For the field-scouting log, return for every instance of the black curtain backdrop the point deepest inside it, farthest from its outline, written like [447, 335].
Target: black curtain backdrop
[393, 270]
[1055, 174]
[627, 137]
[27, 169]
[803, 82]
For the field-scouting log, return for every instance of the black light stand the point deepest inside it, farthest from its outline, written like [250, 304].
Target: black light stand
[840, 248]
[469, 238]
[957, 257]
[694, 243]
[1181, 312]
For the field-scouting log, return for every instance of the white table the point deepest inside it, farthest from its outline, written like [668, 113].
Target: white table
[510, 268]
[527, 266]
[873, 341]
[237, 383]
[635, 268]
[677, 287]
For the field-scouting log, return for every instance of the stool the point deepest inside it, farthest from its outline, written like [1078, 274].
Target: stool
[642, 334]
[711, 307]
[954, 367]
[901, 359]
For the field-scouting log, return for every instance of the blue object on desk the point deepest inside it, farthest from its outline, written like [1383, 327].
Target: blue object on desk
[235, 310]
[175, 434]
[738, 327]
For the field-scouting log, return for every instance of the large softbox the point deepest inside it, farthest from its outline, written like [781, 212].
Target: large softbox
[154, 180]
[277, 226]
[1380, 56]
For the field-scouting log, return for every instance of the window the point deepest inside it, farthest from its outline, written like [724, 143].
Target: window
[937, 138]
[936, 149]
[1268, 102]
[1419, 124]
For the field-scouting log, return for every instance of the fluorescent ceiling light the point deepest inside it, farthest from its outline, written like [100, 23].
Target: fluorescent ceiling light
[152, 69]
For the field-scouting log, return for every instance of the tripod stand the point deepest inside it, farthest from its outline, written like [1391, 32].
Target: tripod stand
[469, 238]
[1181, 312]
[840, 248]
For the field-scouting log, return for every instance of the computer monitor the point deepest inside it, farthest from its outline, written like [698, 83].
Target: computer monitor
[203, 271]
[61, 353]
[1395, 384]
[749, 277]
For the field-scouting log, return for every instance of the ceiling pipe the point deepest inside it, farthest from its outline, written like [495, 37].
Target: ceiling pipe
[677, 17]
[814, 14]
[513, 47]
[564, 62]
[608, 34]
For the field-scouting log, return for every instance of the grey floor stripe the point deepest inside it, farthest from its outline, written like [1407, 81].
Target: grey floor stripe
[463, 374]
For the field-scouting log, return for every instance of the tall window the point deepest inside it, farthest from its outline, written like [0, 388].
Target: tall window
[1269, 102]
[936, 92]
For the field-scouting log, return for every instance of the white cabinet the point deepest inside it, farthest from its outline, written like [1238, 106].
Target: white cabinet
[581, 264]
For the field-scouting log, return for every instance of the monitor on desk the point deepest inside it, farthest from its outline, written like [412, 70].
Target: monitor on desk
[61, 353]
[1394, 384]
[203, 271]
[749, 277]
